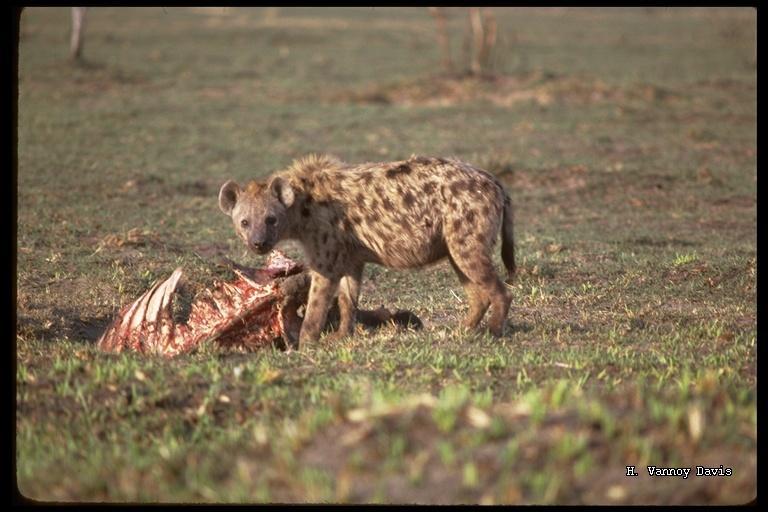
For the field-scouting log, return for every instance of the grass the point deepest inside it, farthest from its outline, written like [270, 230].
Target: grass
[627, 138]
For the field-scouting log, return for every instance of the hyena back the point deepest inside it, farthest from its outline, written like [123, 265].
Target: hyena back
[403, 214]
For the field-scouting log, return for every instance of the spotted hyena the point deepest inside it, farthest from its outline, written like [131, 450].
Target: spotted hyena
[403, 214]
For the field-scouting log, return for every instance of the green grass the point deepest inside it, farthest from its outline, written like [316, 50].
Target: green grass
[627, 138]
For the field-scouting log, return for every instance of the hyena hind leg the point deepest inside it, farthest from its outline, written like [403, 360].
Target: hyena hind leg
[476, 295]
[483, 277]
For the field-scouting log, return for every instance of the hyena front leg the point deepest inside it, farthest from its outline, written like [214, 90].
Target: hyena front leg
[319, 301]
[349, 291]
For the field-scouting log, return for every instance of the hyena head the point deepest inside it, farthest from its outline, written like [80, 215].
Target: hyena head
[259, 211]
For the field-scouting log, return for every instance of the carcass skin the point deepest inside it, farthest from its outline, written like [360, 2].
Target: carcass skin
[258, 309]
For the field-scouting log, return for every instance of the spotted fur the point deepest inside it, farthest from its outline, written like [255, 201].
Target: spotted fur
[403, 214]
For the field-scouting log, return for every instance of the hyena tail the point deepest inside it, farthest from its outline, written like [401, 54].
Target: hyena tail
[507, 239]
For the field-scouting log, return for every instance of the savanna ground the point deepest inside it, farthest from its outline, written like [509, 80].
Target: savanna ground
[628, 140]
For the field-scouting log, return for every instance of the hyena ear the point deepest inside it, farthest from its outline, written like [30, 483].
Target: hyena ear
[228, 196]
[282, 190]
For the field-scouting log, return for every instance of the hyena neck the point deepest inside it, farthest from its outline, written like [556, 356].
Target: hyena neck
[298, 217]
[313, 199]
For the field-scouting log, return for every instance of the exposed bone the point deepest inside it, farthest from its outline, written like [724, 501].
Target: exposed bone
[257, 309]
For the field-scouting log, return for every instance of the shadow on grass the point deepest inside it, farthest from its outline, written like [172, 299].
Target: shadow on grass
[518, 327]
[64, 323]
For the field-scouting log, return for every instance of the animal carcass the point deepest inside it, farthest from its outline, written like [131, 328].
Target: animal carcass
[259, 308]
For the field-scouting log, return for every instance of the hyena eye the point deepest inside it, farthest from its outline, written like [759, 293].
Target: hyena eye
[244, 223]
[270, 220]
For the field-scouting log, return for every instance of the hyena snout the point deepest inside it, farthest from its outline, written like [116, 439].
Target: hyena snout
[261, 235]
[260, 244]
